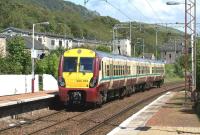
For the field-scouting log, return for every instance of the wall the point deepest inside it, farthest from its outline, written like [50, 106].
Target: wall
[125, 47]
[49, 82]
[2, 46]
[16, 84]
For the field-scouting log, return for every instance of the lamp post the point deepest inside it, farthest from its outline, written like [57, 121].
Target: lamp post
[191, 25]
[33, 56]
[156, 43]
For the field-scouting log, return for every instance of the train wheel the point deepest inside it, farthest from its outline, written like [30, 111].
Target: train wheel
[133, 89]
[122, 93]
[142, 87]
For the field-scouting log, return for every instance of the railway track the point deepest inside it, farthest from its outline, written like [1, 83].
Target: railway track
[114, 116]
[62, 118]
[29, 122]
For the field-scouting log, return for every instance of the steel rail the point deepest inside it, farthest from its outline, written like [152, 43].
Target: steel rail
[126, 110]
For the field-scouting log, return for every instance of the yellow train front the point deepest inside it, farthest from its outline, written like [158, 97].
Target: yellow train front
[87, 76]
[78, 76]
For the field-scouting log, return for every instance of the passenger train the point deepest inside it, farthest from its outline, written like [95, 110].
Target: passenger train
[90, 76]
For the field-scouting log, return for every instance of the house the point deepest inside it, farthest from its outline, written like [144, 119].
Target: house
[2, 45]
[171, 50]
[40, 48]
[51, 41]
[122, 47]
[149, 56]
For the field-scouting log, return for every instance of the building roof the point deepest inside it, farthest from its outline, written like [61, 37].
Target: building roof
[149, 56]
[37, 44]
[29, 32]
[28, 43]
[170, 46]
[2, 36]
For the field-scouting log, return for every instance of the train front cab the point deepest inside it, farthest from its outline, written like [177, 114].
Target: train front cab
[78, 77]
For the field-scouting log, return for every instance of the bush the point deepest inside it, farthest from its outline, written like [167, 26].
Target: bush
[18, 60]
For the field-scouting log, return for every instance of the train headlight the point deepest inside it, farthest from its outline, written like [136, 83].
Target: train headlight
[93, 82]
[61, 82]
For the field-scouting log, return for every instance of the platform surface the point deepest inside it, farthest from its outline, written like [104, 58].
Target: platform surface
[28, 97]
[167, 115]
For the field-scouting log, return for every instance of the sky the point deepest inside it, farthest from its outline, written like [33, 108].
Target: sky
[148, 11]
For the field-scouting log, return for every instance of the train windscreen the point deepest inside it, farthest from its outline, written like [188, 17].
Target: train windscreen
[70, 64]
[86, 64]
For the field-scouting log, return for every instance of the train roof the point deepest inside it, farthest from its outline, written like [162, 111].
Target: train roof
[113, 56]
[116, 56]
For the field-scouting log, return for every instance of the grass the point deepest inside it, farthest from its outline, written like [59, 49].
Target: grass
[170, 75]
[173, 79]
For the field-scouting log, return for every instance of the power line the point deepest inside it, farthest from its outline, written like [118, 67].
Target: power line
[118, 9]
[86, 1]
[138, 10]
[153, 10]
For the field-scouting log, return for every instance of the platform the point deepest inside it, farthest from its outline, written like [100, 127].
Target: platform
[165, 116]
[28, 97]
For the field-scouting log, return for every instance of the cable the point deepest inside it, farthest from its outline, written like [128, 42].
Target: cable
[154, 11]
[146, 18]
[118, 9]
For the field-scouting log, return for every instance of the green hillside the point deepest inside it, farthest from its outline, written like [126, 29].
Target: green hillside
[64, 17]
[72, 20]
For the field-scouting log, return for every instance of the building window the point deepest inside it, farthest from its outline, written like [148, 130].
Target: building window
[40, 39]
[67, 43]
[52, 42]
[165, 53]
[170, 56]
[60, 43]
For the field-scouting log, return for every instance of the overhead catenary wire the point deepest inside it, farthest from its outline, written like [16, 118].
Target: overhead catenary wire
[146, 18]
[153, 10]
[118, 10]
[86, 1]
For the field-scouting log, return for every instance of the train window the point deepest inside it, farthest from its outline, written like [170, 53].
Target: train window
[107, 71]
[99, 65]
[117, 70]
[70, 64]
[102, 69]
[129, 70]
[113, 69]
[120, 70]
[86, 64]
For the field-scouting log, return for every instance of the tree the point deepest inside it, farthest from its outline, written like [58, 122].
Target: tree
[103, 48]
[49, 64]
[18, 60]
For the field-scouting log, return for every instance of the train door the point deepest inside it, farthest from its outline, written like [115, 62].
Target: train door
[111, 72]
[125, 64]
[85, 71]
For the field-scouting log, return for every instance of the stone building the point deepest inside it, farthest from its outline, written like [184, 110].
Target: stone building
[2, 45]
[171, 50]
[122, 47]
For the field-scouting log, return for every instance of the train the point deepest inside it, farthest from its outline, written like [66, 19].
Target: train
[89, 76]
